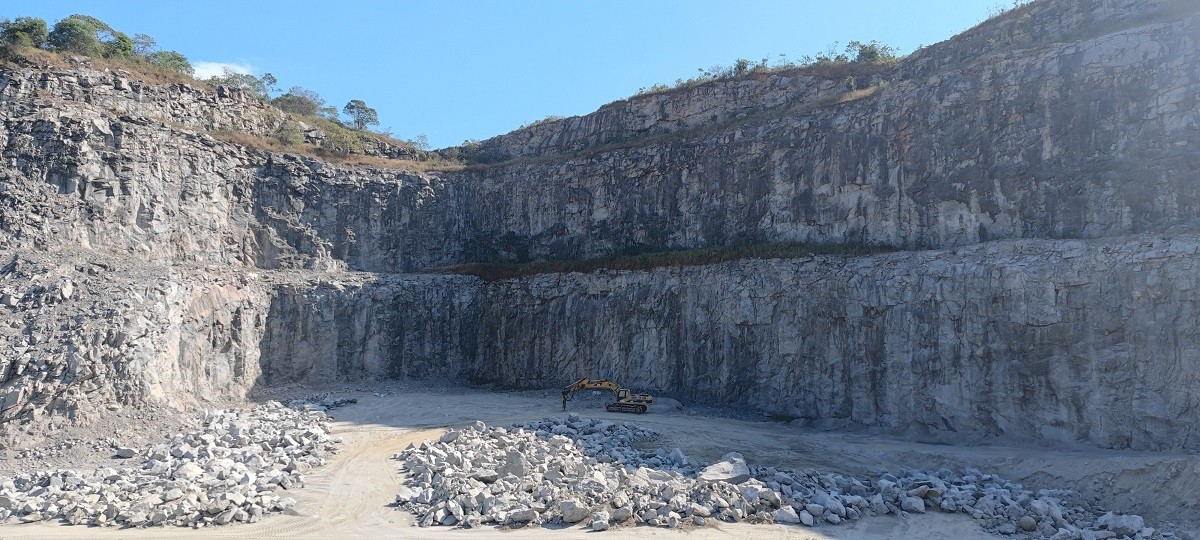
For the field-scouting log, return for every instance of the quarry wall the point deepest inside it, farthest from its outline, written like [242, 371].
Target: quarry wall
[1037, 172]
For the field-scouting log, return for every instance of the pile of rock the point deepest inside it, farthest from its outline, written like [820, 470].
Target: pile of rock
[229, 471]
[579, 470]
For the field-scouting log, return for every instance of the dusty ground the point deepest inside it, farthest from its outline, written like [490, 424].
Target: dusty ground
[350, 497]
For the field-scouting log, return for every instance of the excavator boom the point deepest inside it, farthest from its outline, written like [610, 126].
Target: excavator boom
[626, 401]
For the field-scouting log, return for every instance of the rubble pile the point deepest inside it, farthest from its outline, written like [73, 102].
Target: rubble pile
[587, 471]
[229, 471]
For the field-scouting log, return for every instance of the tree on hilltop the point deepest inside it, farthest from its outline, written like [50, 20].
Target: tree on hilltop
[173, 61]
[23, 31]
[300, 100]
[260, 87]
[360, 114]
[74, 35]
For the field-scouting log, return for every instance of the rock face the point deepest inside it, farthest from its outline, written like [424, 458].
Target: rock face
[1041, 339]
[1046, 160]
[1020, 128]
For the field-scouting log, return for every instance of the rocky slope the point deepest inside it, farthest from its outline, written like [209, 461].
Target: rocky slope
[1043, 159]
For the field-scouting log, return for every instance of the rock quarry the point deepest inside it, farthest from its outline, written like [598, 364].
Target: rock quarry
[1029, 186]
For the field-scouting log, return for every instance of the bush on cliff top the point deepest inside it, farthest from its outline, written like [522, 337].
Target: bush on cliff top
[89, 36]
[856, 54]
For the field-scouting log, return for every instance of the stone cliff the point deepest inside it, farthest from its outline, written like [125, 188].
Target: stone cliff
[1038, 170]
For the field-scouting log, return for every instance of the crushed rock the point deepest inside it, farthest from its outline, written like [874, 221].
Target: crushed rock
[229, 471]
[585, 471]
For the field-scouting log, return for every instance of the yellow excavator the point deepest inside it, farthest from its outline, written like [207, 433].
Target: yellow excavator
[627, 401]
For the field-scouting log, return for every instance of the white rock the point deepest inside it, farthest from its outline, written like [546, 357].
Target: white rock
[786, 515]
[573, 511]
[913, 504]
[731, 468]
[188, 471]
[1124, 524]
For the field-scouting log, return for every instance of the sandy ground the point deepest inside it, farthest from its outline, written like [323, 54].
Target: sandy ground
[350, 497]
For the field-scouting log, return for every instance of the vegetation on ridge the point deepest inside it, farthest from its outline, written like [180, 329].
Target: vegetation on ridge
[312, 128]
[856, 54]
[89, 36]
[634, 260]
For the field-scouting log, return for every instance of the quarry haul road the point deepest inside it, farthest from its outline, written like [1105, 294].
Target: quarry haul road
[350, 497]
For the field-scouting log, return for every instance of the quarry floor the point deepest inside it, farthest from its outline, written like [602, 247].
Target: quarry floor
[351, 497]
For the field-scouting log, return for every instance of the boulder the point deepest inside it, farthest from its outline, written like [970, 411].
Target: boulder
[731, 468]
[786, 514]
[1122, 524]
[573, 511]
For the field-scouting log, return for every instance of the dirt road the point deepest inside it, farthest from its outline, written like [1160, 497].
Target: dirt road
[350, 497]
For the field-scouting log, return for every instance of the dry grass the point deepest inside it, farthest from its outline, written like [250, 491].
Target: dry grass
[855, 95]
[380, 162]
[270, 144]
[660, 259]
[820, 70]
[146, 72]
[696, 131]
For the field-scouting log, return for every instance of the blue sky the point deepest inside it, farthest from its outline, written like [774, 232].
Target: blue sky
[472, 69]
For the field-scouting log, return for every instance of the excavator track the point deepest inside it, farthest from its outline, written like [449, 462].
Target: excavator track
[626, 408]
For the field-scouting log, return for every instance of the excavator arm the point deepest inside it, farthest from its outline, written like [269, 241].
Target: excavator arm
[588, 384]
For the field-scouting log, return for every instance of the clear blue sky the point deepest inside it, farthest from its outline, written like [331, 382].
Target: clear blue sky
[472, 69]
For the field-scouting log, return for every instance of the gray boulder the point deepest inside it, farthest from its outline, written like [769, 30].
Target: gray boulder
[731, 468]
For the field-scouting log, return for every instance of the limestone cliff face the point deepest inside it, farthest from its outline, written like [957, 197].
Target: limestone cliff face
[406, 326]
[125, 95]
[1034, 339]
[1045, 162]
[78, 176]
[1066, 120]
[1084, 128]
[82, 334]
[1030, 339]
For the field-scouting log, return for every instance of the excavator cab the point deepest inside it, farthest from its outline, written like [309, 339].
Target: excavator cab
[627, 401]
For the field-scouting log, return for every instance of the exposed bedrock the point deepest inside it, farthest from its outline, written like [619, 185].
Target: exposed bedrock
[1086, 130]
[84, 334]
[1069, 120]
[424, 327]
[1034, 339]
[1054, 340]
[1048, 159]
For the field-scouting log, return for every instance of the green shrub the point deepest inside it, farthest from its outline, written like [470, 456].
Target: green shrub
[872, 52]
[24, 31]
[299, 100]
[341, 142]
[171, 60]
[260, 87]
[290, 135]
[120, 46]
[76, 36]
